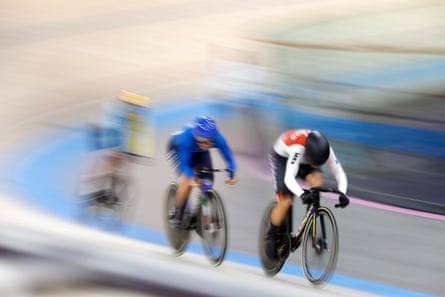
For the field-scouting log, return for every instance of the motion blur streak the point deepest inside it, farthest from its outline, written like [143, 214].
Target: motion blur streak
[370, 73]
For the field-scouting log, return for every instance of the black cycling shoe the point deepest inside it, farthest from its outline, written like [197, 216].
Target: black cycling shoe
[175, 219]
[193, 222]
[271, 243]
[99, 196]
[175, 223]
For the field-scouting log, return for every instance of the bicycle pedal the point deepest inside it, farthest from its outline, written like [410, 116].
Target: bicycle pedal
[212, 228]
[191, 223]
[283, 251]
[199, 231]
[296, 241]
[190, 226]
[284, 245]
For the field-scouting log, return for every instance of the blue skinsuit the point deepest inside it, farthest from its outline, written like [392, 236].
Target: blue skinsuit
[185, 154]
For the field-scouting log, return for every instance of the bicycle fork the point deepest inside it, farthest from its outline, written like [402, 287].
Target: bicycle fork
[323, 232]
[320, 243]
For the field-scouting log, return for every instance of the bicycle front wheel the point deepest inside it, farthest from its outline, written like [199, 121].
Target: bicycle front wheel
[177, 237]
[320, 246]
[214, 228]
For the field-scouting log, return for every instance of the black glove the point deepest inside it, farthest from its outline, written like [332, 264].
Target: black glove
[343, 201]
[307, 197]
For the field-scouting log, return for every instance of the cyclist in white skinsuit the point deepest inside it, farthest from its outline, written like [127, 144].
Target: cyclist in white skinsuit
[300, 153]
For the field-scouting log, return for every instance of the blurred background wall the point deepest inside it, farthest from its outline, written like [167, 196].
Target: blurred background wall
[371, 80]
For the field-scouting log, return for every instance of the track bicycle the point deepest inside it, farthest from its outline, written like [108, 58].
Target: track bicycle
[317, 234]
[205, 214]
[105, 196]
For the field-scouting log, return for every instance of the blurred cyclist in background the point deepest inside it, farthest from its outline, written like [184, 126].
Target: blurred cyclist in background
[300, 154]
[189, 149]
[123, 129]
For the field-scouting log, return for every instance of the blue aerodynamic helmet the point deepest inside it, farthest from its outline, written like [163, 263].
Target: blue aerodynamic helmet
[204, 127]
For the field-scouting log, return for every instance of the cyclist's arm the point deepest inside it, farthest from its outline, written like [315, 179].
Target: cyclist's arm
[185, 155]
[338, 172]
[292, 167]
[225, 151]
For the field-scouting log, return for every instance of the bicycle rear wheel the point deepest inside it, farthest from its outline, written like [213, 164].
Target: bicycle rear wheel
[214, 229]
[177, 237]
[320, 246]
[271, 266]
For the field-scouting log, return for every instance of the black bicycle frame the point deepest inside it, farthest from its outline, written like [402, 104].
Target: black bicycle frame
[311, 209]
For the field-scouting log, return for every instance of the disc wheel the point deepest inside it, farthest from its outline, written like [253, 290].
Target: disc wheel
[272, 266]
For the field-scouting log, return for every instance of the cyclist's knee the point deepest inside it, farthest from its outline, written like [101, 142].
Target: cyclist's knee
[186, 182]
[184, 189]
[285, 200]
[314, 179]
[278, 214]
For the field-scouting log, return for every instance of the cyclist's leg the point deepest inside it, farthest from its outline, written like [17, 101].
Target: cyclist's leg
[315, 178]
[284, 201]
[284, 195]
[277, 216]
[312, 176]
[116, 170]
[182, 195]
[98, 175]
[198, 160]
[96, 179]
[184, 187]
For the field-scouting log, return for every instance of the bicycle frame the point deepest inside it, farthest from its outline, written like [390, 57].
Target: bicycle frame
[312, 209]
[317, 234]
[205, 185]
[206, 217]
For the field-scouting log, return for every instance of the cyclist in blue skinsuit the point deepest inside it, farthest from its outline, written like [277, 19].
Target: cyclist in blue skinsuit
[121, 131]
[189, 149]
